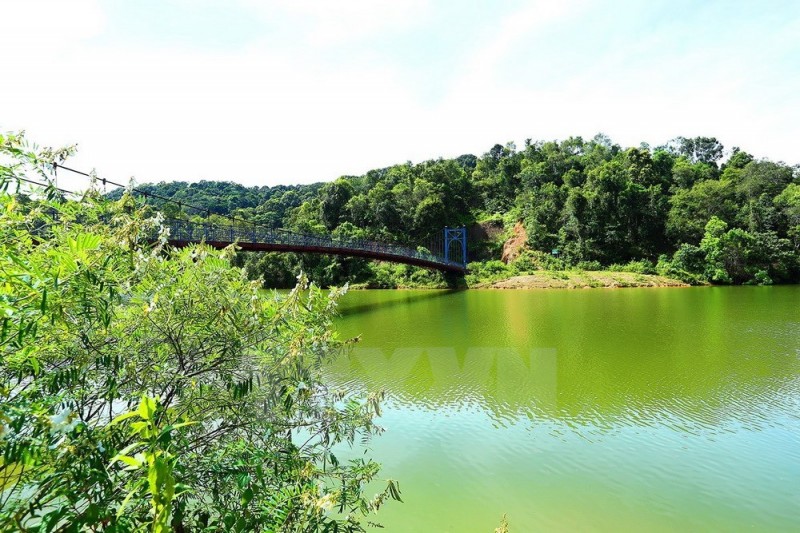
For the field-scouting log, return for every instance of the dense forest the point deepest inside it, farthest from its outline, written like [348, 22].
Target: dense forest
[688, 209]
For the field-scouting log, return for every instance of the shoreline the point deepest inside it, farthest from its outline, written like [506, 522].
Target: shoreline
[556, 279]
[589, 279]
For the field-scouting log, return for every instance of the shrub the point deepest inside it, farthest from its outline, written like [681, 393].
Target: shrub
[762, 278]
[531, 260]
[488, 271]
[641, 266]
[149, 388]
[588, 265]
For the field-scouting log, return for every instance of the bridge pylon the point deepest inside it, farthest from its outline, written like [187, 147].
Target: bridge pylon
[457, 237]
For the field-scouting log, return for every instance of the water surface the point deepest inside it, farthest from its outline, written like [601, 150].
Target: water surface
[607, 410]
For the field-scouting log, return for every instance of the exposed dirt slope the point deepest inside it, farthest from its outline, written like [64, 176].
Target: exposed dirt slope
[515, 244]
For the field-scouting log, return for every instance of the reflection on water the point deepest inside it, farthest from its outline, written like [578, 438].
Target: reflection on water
[627, 409]
[392, 299]
[507, 384]
[504, 381]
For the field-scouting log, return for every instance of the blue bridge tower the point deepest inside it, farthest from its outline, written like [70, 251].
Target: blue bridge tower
[457, 237]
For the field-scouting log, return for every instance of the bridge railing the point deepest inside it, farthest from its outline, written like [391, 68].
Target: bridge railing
[186, 231]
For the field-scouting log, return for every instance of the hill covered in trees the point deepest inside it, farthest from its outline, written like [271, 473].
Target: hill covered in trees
[680, 209]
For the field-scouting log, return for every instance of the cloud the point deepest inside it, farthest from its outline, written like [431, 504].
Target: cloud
[253, 116]
[41, 27]
[326, 23]
[515, 27]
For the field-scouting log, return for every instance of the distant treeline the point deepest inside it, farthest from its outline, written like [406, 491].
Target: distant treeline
[677, 209]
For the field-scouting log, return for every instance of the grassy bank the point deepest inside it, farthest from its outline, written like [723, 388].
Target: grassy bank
[579, 279]
[496, 275]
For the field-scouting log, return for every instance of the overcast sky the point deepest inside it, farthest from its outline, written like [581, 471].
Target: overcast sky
[264, 92]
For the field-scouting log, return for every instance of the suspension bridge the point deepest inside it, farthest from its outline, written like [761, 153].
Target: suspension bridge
[261, 239]
[447, 253]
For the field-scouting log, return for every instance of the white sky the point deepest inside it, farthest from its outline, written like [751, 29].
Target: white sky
[290, 91]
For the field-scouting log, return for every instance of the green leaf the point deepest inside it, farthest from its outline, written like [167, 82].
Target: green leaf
[123, 417]
[127, 499]
[129, 447]
[147, 408]
[183, 424]
[128, 460]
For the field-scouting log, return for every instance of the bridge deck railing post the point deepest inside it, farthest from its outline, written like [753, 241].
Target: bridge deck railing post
[446, 244]
[464, 246]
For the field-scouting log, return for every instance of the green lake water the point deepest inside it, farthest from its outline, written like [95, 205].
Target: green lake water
[606, 410]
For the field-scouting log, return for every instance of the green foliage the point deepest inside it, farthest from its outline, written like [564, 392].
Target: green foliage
[532, 260]
[398, 276]
[788, 206]
[691, 209]
[713, 246]
[762, 278]
[706, 150]
[687, 264]
[733, 256]
[489, 271]
[153, 466]
[333, 201]
[145, 388]
[639, 267]
[686, 174]
[588, 265]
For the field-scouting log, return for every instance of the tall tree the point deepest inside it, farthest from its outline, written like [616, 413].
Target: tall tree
[333, 198]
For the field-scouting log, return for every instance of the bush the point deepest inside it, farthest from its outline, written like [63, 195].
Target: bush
[531, 260]
[667, 268]
[399, 276]
[488, 272]
[149, 388]
[689, 258]
[738, 256]
[762, 278]
[588, 265]
[642, 266]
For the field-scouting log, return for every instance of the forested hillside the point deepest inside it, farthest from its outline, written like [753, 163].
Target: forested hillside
[687, 209]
